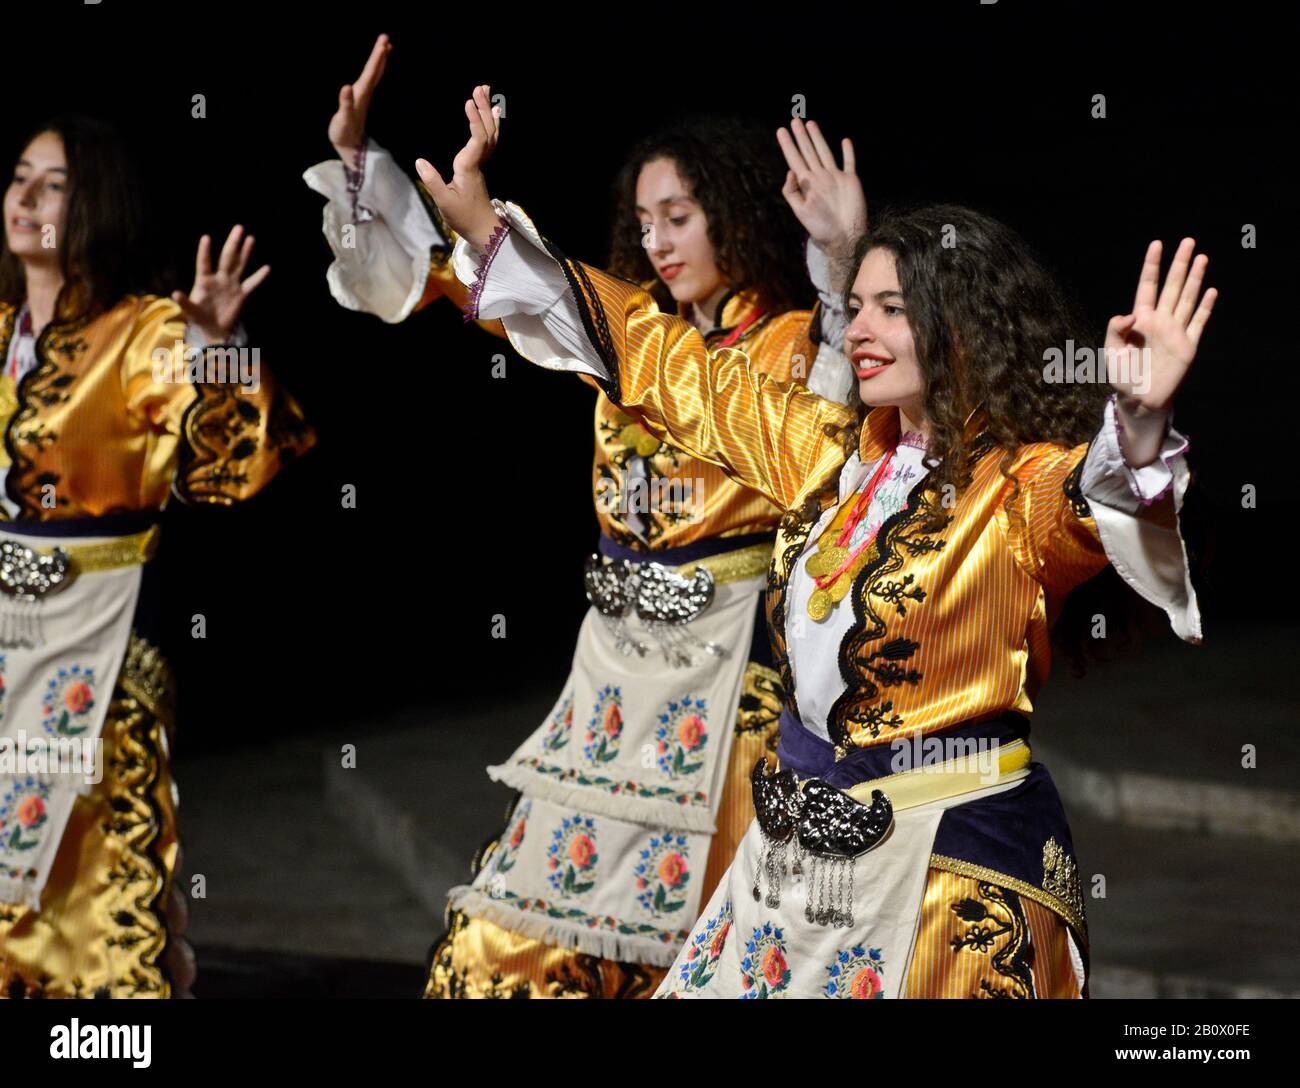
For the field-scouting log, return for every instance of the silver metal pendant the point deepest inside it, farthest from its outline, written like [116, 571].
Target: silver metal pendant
[26, 578]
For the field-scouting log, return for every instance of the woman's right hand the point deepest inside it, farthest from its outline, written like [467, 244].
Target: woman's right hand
[464, 201]
[347, 129]
[827, 200]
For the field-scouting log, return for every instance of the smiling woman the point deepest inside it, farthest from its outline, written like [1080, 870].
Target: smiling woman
[635, 786]
[917, 573]
[95, 440]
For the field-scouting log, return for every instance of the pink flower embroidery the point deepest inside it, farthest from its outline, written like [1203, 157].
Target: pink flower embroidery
[866, 984]
[672, 869]
[773, 966]
[691, 732]
[77, 697]
[31, 812]
[581, 851]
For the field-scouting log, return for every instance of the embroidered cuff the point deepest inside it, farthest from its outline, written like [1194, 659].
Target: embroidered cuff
[1109, 479]
[194, 337]
[489, 253]
[1149, 483]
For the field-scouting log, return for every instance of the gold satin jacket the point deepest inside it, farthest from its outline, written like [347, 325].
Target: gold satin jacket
[685, 499]
[95, 431]
[948, 626]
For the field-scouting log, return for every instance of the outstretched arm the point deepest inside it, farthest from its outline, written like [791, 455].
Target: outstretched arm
[391, 256]
[1121, 493]
[775, 437]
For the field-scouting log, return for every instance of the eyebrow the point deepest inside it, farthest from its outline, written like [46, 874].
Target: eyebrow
[879, 296]
[48, 170]
[668, 200]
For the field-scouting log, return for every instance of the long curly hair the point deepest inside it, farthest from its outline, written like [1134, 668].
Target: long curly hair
[735, 171]
[984, 311]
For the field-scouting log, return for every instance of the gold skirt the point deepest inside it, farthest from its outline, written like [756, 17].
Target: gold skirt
[975, 939]
[102, 928]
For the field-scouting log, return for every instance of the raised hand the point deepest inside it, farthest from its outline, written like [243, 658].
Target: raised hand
[464, 201]
[827, 200]
[1151, 349]
[347, 129]
[214, 302]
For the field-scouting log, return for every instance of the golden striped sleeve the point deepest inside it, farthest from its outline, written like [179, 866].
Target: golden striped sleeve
[1050, 529]
[776, 437]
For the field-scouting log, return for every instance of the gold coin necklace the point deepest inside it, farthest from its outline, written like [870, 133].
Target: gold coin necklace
[834, 566]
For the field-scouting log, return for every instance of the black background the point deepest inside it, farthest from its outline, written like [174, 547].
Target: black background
[474, 493]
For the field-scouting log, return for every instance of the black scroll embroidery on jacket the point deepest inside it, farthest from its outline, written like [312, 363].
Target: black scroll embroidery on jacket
[868, 672]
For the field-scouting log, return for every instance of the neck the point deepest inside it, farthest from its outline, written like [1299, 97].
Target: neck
[43, 282]
[913, 419]
[706, 310]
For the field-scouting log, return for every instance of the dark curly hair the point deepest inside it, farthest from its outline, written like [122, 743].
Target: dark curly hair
[735, 171]
[983, 311]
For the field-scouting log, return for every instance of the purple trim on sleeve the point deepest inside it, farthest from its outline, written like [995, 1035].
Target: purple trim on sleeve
[494, 242]
[356, 177]
[1165, 458]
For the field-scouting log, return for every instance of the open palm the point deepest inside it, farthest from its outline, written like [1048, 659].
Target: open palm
[1152, 348]
[214, 302]
[827, 199]
[464, 201]
[347, 129]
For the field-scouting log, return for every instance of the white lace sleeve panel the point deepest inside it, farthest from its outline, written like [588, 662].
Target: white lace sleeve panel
[1136, 511]
[515, 279]
[379, 231]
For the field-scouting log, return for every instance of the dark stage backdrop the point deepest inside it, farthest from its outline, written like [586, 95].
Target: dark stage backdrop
[473, 492]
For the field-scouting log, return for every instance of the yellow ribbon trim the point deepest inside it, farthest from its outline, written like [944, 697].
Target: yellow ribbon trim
[125, 551]
[731, 566]
[921, 785]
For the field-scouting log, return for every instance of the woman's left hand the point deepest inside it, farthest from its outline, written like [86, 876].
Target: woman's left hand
[464, 202]
[214, 302]
[1152, 348]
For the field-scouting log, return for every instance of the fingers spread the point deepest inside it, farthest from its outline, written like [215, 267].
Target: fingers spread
[1149, 279]
[1177, 276]
[226, 262]
[1202, 315]
[793, 156]
[255, 280]
[203, 259]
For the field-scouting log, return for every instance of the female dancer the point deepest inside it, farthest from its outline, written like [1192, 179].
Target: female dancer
[109, 400]
[606, 859]
[908, 846]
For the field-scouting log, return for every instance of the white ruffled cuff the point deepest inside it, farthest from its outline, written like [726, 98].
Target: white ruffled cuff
[1138, 530]
[517, 280]
[379, 232]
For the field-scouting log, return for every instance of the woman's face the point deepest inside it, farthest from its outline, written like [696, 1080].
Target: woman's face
[675, 233]
[35, 202]
[879, 339]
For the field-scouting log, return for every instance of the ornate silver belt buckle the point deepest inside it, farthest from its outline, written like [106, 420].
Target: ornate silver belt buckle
[826, 826]
[663, 600]
[26, 578]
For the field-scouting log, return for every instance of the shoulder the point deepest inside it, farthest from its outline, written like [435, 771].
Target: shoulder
[778, 340]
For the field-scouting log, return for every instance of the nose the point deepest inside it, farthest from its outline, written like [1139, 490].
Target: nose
[859, 332]
[659, 243]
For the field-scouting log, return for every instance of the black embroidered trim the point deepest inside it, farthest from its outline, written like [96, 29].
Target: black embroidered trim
[863, 679]
[1014, 960]
[55, 337]
[1072, 486]
[594, 323]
